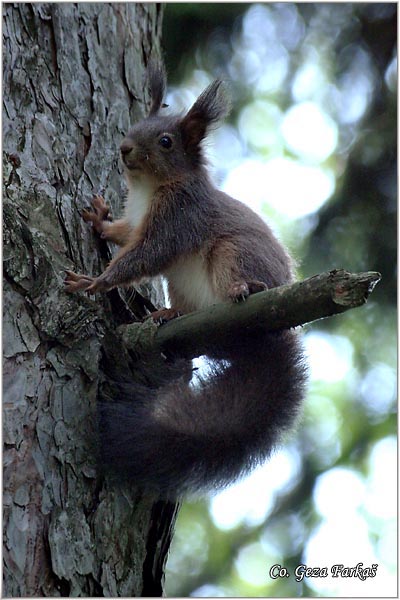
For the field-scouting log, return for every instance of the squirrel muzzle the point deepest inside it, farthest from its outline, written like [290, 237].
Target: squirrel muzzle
[129, 154]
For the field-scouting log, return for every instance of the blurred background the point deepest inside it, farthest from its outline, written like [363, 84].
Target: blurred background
[311, 146]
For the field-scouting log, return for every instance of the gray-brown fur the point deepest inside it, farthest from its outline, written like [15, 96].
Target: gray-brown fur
[179, 438]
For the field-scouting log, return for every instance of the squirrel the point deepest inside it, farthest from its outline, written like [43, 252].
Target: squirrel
[182, 438]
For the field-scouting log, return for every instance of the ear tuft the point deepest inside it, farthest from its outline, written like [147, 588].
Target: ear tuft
[157, 81]
[210, 107]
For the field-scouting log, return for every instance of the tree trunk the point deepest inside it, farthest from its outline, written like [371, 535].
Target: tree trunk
[72, 86]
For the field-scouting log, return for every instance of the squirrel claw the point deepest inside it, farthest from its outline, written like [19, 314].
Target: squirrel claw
[97, 214]
[101, 208]
[239, 291]
[74, 282]
[87, 214]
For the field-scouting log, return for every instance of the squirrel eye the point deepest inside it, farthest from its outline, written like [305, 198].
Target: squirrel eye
[165, 141]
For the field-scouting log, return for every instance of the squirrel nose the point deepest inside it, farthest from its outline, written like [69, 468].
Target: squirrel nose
[126, 147]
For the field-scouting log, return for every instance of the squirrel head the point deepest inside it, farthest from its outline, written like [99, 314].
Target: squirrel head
[169, 147]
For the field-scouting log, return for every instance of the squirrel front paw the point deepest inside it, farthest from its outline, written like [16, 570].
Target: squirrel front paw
[240, 290]
[76, 283]
[99, 216]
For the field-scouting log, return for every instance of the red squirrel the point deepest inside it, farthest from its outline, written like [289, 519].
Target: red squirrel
[180, 437]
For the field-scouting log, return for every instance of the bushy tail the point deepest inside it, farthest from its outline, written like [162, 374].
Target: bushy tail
[183, 438]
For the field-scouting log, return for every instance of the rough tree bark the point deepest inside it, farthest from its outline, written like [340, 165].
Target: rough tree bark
[73, 83]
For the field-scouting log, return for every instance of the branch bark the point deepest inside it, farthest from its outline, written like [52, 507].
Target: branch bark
[283, 307]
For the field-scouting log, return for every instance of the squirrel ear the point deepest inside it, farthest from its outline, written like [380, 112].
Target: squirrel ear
[210, 107]
[157, 81]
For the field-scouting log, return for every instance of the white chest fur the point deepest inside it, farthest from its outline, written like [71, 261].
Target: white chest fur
[138, 201]
[189, 280]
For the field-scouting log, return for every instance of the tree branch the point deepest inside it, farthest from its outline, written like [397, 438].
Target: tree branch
[283, 307]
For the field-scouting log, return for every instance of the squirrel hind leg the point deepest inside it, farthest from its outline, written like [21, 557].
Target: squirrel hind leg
[227, 276]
